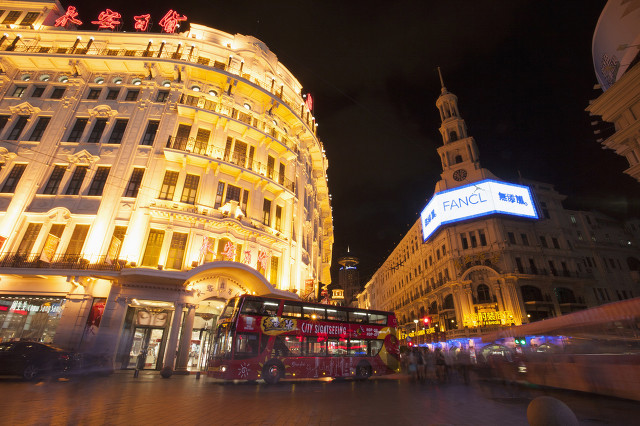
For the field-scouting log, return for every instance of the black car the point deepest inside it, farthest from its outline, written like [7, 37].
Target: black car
[31, 359]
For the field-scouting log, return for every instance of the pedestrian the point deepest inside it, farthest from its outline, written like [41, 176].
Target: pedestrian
[421, 364]
[412, 362]
[464, 364]
[440, 365]
[430, 360]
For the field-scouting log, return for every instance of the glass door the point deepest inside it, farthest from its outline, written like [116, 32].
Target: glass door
[148, 343]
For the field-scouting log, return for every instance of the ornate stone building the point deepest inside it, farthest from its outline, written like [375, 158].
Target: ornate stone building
[145, 179]
[495, 270]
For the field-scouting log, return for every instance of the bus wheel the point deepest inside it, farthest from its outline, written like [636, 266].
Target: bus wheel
[363, 370]
[272, 372]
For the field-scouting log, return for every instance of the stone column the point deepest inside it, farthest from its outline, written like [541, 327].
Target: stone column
[172, 341]
[185, 340]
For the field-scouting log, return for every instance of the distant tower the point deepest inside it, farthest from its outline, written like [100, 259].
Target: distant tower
[348, 277]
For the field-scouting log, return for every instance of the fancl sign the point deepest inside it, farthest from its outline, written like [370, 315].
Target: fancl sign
[474, 200]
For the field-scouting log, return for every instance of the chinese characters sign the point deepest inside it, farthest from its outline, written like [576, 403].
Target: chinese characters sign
[488, 318]
[109, 20]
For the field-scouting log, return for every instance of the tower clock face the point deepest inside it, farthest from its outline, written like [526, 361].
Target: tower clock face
[460, 175]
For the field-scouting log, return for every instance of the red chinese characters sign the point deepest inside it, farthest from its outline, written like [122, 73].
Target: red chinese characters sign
[109, 19]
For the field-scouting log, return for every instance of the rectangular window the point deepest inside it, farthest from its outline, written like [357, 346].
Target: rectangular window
[202, 141]
[99, 180]
[96, 132]
[132, 95]
[112, 94]
[465, 243]
[162, 96]
[219, 193]
[281, 174]
[314, 346]
[233, 194]
[512, 237]
[190, 189]
[227, 149]
[116, 242]
[150, 133]
[21, 122]
[37, 92]
[532, 265]
[57, 93]
[240, 153]
[18, 92]
[12, 17]
[483, 238]
[168, 185]
[73, 188]
[30, 18]
[543, 241]
[118, 130]
[245, 199]
[94, 93]
[77, 240]
[176, 250]
[555, 242]
[29, 238]
[51, 188]
[252, 151]
[266, 212]
[78, 129]
[153, 248]
[271, 165]
[552, 267]
[13, 178]
[474, 240]
[279, 218]
[134, 183]
[525, 239]
[40, 127]
[519, 265]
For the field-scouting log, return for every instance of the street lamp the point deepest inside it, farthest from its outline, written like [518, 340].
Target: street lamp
[416, 323]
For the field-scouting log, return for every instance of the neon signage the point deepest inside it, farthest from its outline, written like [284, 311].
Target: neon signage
[477, 199]
[109, 19]
[489, 318]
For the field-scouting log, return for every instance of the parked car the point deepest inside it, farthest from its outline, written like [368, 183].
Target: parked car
[31, 359]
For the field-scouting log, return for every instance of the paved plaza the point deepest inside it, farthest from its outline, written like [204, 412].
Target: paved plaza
[121, 399]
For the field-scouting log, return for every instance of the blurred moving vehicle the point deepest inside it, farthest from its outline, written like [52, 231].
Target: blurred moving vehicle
[31, 360]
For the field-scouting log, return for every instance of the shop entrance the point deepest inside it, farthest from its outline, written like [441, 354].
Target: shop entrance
[149, 343]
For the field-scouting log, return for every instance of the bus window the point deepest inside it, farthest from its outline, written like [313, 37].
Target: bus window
[337, 347]
[294, 344]
[260, 307]
[313, 347]
[280, 347]
[357, 348]
[375, 346]
[358, 317]
[313, 313]
[246, 345]
[377, 318]
[292, 310]
[229, 308]
[222, 343]
[336, 315]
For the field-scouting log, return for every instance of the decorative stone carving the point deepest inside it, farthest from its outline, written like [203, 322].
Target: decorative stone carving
[59, 215]
[5, 155]
[82, 157]
[102, 111]
[24, 108]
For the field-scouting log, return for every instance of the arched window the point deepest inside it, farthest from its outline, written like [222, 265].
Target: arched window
[565, 295]
[458, 159]
[433, 308]
[448, 302]
[531, 294]
[453, 136]
[484, 296]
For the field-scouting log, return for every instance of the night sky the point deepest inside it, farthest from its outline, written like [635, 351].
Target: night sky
[522, 71]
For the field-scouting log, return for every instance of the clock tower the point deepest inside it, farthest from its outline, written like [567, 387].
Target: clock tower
[459, 154]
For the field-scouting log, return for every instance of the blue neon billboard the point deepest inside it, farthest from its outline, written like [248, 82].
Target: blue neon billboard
[477, 199]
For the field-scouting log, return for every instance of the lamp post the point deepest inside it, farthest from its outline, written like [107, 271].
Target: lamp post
[416, 323]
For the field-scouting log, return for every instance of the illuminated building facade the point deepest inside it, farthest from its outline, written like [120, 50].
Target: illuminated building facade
[147, 178]
[495, 254]
[616, 54]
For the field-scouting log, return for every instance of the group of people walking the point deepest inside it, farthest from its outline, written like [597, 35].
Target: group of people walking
[436, 366]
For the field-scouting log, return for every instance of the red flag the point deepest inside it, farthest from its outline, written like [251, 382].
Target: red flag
[309, 102]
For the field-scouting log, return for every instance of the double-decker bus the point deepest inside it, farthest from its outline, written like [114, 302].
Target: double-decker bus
[272, 339]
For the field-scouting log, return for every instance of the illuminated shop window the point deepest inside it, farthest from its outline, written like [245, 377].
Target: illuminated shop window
[30, 319]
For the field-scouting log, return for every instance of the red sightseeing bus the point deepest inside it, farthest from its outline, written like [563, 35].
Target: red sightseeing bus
[272, 339]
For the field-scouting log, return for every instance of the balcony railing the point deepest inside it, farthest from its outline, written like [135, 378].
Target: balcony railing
[185, 55]
[201, 147]
[61, 261]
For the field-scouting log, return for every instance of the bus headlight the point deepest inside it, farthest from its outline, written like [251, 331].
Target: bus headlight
[223, 368]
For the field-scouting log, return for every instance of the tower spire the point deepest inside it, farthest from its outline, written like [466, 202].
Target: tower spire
[444, 89]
